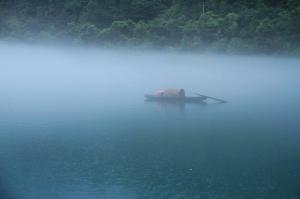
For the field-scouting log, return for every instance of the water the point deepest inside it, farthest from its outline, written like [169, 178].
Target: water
[74, 124]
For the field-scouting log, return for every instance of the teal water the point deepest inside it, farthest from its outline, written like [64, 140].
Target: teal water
[74, 124]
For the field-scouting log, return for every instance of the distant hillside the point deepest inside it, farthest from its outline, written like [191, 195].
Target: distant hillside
[265, 26]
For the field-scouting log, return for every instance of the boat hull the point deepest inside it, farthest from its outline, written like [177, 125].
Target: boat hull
[175, 99]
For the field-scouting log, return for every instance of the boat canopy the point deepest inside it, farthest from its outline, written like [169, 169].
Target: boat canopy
[171, 93]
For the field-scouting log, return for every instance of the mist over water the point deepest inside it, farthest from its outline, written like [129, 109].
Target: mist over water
[74, 124]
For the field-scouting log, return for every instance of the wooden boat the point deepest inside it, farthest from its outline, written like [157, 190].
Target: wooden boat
[178, 96]
[175, 99]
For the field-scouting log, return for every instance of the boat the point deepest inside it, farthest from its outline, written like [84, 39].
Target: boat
[178, 96]
[176, 99]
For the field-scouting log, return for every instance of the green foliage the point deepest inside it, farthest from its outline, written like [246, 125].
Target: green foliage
[118, 32]
[217, 25]
[231, 24]
[88, 32]
[145, 9]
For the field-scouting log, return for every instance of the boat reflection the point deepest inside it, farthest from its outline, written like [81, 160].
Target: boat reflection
[176, 106]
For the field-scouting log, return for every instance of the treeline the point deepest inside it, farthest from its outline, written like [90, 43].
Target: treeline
[267, 26]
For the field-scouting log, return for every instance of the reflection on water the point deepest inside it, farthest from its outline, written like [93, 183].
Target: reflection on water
[78, 126]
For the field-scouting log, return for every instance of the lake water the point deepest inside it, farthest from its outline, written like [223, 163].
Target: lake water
[74, 124]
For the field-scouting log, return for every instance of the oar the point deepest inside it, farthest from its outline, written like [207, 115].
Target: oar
[219, 100]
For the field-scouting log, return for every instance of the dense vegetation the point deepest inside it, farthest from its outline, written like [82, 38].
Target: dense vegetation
[219, 25]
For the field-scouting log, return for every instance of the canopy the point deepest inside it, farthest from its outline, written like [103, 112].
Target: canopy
[171, 93]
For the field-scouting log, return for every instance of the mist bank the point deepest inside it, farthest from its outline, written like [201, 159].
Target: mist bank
[244, 27]
[74, 124]
[77, 73]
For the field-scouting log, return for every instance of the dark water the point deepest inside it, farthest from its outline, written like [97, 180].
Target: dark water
[74, 124]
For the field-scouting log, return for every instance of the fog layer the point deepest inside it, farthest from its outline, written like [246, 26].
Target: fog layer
[74, 124]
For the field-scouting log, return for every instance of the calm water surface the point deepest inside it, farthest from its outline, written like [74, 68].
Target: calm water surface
[74, 124]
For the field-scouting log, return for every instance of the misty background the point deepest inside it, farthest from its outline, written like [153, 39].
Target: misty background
[74, 124]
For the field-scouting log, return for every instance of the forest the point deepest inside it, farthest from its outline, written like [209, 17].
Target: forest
[230, 26]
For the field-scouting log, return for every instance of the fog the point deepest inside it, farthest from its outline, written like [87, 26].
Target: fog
[50, 94]
[58, 75]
